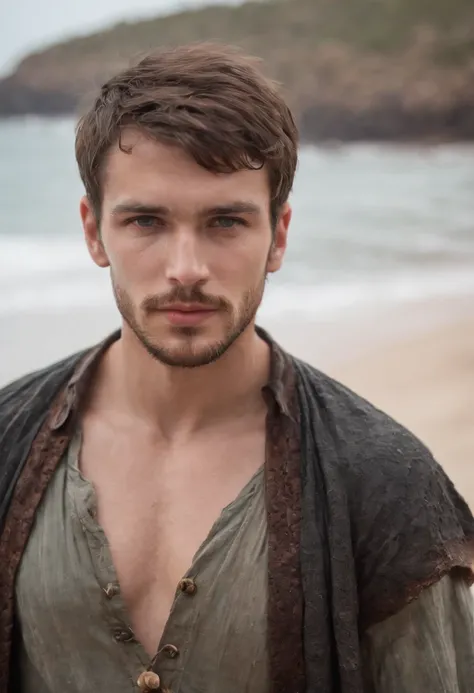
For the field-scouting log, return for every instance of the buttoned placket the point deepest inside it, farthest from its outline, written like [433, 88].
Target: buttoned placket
[150, 674]
[84, 502]
[163, 663]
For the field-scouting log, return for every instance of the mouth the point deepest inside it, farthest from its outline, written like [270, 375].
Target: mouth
[188, 314]
[188, 308]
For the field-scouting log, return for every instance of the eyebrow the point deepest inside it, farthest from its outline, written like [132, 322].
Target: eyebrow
[139, 208]
[238, 207]
[234, 208]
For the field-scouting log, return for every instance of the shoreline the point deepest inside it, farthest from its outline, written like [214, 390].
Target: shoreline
[415, 361]
[351, 134]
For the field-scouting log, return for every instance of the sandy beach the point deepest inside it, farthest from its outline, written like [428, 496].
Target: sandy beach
[414, 361]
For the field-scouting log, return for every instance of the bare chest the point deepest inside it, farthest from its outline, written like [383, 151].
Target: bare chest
[157, 505]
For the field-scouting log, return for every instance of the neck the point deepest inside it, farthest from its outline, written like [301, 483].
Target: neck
[179, 401]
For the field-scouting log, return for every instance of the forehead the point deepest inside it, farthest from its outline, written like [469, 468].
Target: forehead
[154, 172]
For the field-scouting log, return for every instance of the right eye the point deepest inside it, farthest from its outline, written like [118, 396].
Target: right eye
[144, 221]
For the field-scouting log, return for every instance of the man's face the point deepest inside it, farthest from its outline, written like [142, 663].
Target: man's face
[188, 250]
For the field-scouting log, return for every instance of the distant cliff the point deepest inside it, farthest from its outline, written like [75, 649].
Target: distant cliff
[352, 69]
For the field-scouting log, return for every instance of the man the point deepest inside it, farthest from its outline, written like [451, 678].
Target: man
[187, 507]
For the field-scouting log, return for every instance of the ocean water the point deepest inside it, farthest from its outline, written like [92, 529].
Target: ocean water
[371, 223]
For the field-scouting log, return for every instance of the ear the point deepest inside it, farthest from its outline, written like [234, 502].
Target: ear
[280, 235]
[92, 233]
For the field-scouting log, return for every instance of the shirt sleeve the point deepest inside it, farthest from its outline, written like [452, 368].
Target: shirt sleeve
[428, 646]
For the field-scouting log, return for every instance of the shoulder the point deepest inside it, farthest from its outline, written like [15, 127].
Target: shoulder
[24, 405]
[376, 442]
[388, 474]
[29, 387]
[409, 526]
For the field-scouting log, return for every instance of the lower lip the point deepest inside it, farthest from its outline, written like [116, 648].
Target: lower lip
[188, 318]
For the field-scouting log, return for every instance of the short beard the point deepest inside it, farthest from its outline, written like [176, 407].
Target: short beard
[186, 358]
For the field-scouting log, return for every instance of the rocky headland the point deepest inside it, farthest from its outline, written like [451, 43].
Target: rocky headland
[393, 70]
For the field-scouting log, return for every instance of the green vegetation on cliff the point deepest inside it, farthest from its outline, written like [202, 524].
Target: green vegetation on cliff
[351, 68]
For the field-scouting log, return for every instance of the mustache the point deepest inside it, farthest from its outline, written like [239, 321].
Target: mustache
[184, 294]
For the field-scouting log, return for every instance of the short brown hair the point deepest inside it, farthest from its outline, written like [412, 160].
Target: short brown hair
[210, 100]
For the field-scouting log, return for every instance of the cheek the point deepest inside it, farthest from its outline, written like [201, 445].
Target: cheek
[241, 263]
[238, 273]
[133, 263]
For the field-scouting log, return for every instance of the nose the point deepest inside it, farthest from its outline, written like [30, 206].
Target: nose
[186, 263]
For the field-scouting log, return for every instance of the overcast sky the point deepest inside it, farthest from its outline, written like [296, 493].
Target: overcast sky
[29, 24]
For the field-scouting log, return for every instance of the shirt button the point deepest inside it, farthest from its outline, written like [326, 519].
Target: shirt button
[171, 651]
[123, 635]
[148, 681]
[112, 590]
[188, 586]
